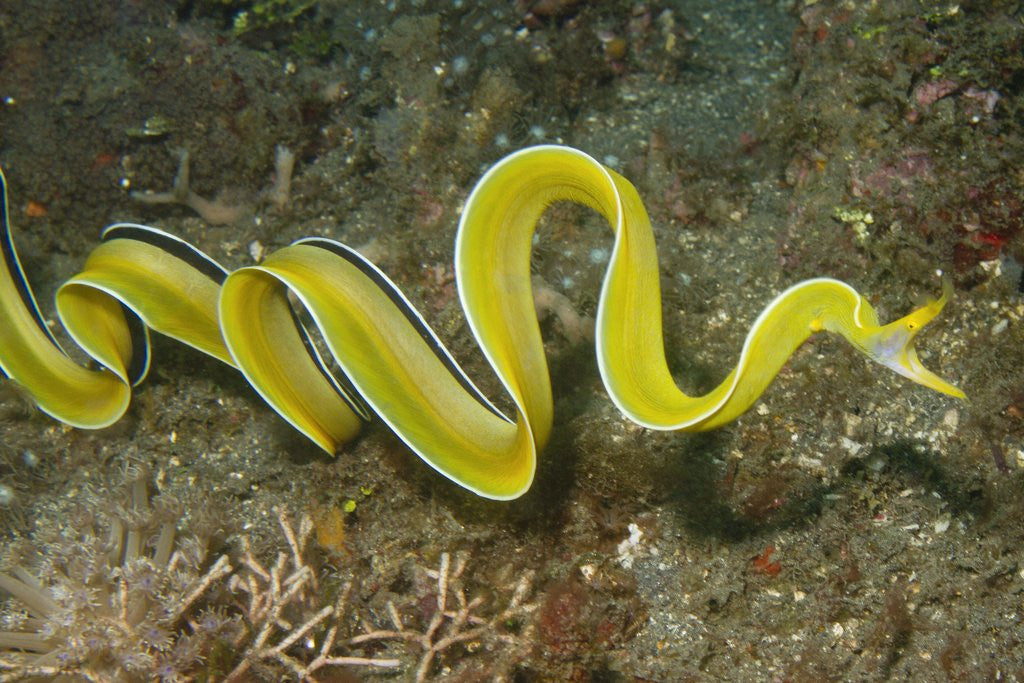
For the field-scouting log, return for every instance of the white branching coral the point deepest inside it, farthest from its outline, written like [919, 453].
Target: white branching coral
[214, 212]
[454, 624]
[289, 628]
[113, 596]
[275, 599]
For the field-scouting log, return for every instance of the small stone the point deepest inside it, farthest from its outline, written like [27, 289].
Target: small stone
[257, 250]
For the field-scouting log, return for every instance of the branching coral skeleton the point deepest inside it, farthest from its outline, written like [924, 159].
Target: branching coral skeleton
[214, 212]
[271, 593]
[291, 582]
[447, 626]
[217, 212]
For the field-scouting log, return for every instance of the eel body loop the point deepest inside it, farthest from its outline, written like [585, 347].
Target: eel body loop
[392, 364]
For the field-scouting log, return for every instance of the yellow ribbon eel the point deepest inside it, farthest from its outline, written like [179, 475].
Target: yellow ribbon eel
[392, 364]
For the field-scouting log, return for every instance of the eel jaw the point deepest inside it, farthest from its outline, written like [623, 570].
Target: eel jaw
[909, 365]
[893, 345]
